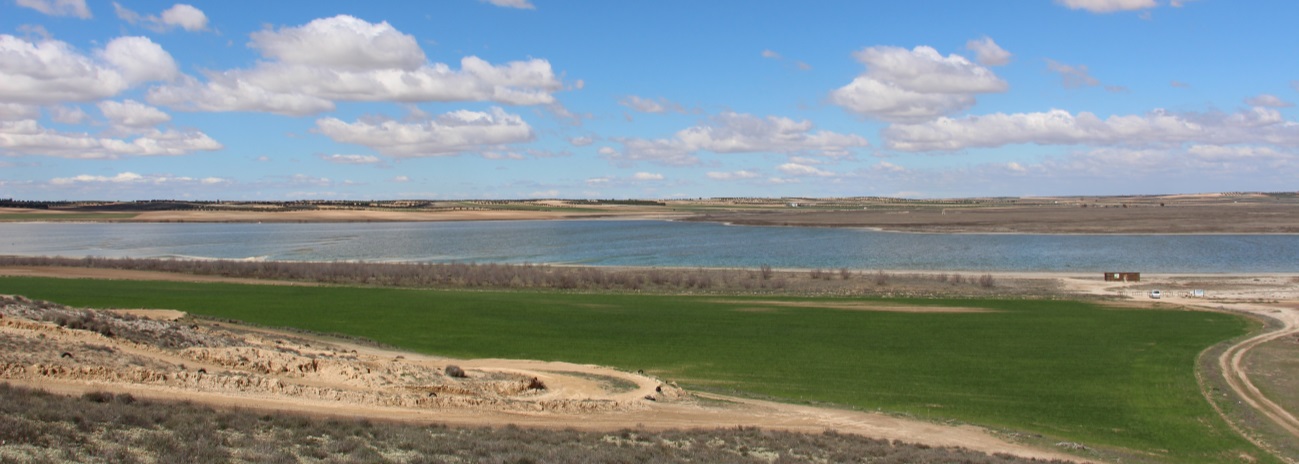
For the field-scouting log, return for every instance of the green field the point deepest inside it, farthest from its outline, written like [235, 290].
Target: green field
[1067, 370]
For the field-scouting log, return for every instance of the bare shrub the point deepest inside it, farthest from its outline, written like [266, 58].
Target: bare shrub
[536, 384]
[817, 274]
[455, 371]
[881, 278]
[765, 271]
[986, 281]
[844, 273]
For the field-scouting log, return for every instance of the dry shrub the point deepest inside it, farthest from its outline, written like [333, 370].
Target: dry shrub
[456, 372]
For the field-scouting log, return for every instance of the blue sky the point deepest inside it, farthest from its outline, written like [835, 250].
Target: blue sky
[665, 99]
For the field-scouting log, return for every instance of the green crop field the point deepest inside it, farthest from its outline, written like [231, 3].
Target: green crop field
[1067, 370]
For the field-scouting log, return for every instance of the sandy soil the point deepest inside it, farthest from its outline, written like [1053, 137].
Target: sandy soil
[124, 274]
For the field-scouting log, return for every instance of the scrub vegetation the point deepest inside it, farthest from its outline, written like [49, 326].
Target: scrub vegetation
[766, 280]
[102, 427]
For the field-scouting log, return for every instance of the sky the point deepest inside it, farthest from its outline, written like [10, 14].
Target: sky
[663, 99]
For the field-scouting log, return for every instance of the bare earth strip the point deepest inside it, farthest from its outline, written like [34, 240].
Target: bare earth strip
[864, 306]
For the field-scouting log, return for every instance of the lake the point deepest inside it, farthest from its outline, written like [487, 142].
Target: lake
[656, 243]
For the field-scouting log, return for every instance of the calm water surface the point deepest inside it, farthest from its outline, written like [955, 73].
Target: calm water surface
[657, 243]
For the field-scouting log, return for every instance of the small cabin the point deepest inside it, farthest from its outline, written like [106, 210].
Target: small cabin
[1122, 276]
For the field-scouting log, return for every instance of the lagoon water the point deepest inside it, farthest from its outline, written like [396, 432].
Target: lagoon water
[657, 243]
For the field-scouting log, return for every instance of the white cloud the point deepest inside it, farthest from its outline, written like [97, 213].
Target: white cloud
[519, 4]
[132, 114]
[67, 114]
[1072, 76]
[180, 15]
[58, 7]
[230, 92]
[644, 176]
[646, 105]
[770, 55]
[449, 134]
[736, 133]
[351, 159]
[915, 85]
[1108, 6]
[401, 179]
[1235, 152]
[1268, 100]
[27, 137]
[987, 52]
[140, 60]
[1059, 127]
[801, 170]
[186, 17]
[361, 62]
[341, 42]
[133, 178]
[1179, 84]
[15, 111]
[581, 141]
[733, 175]
[51, 71]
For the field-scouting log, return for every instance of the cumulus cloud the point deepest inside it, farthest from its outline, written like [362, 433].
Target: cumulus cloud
[180, 15]
[736, 133]
[133, 178]
[1108, 6]
[15, 111]
[67, 114]
[644, 176]
[802, 170]
[341, 42]
[733, 175]
[519, 4]
[448, 134]
[132, 114]
[27, 137]
[581, 141]
[915, 85]
[646, 105]
[351, 159]
[987, 52]
[362, 62]
[76, 8]
[1268, 100]
[1059, 127]
[51, 71]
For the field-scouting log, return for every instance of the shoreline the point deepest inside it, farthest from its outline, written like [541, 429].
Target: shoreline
[1003, 221]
